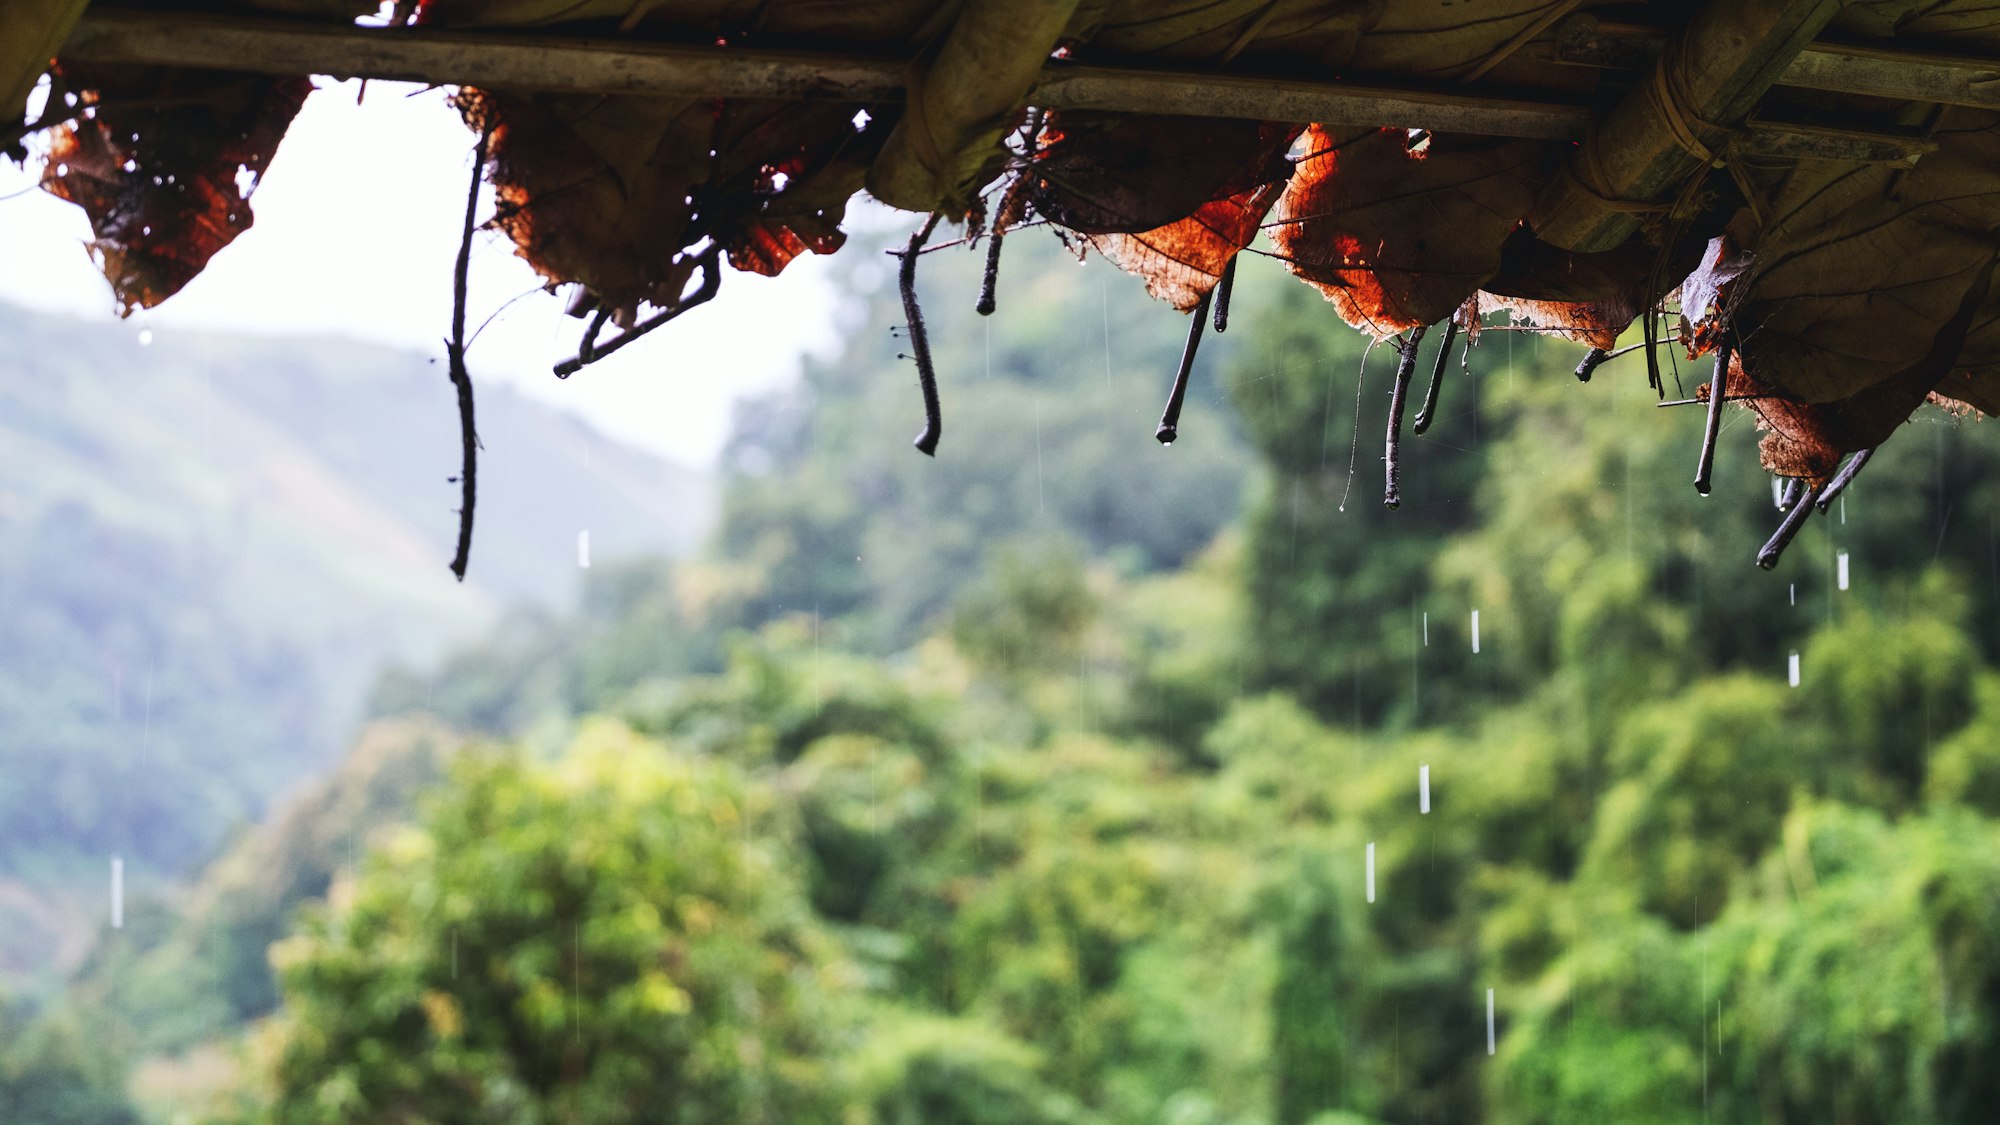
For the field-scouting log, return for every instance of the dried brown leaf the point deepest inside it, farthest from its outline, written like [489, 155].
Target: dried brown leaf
[1124, 174]
[1851, 281]
[1398, 236]
[1182, 261]
[166, 166]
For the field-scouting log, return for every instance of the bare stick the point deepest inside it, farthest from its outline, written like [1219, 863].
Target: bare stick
[1718, 389]
[461, 379]
[1223, 289]
[1845, 477]
[990, 280]
[1591, 359]
[1406, 363]
[913, 314]
[1170, 418]
[711, 283]
[1794, 519]
[1428, 413]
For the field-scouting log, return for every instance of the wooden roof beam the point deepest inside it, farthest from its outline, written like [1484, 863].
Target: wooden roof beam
[1666, 132]
[1838, 68]
[531, 62]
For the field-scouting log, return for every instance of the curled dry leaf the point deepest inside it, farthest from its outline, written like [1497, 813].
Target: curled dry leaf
[1398, 235]
[1806, 439]
[1588, 298]
[1120, 174]
[165, 166]
[1851, 282]
[1182, 262]
[621, 194]
[1976, 380]
[597, 190]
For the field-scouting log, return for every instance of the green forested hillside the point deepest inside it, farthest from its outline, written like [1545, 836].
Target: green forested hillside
[1054, 810]
[827, 512]
[208, 547]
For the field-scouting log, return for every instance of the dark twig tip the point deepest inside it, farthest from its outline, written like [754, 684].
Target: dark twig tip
[1844, 478]
[1767, 559]
[1428, 412]
[1170, 418]
[1588, 367]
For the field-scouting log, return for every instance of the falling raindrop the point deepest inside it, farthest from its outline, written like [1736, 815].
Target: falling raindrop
[1371, 871]
[1795, 593]
[145, 337]
[1424, 789]
[1489, 1021]
[1475, 632]
[1792, 671]
[117, 892]
[1427, 630]
[1841, 561]
[583, 548]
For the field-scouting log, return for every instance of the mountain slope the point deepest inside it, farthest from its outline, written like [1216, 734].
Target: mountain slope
[209, 546]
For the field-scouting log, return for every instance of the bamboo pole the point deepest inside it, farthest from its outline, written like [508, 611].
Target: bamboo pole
[31, 32]
[1671, 128]
[528, 62]
[960, 102]
[1839, 68]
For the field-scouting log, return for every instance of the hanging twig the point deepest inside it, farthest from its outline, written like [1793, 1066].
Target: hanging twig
[1406, 363]
[1428, 413]
[1845, 477]
[1591, 359]
[1170, 418]
[1718, 389]
[461, 379]
[1651, 336]
[711, 283]
[1006, 215]
[920, 344]
[990, 280]
[1222, 290]
[1787, 530]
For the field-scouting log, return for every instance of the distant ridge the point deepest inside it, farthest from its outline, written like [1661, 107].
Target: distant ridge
[209, 547]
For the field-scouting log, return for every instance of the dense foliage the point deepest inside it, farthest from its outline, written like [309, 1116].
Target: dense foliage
[1072, 828]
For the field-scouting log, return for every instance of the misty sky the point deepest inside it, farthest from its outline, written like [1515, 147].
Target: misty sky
[357, 227]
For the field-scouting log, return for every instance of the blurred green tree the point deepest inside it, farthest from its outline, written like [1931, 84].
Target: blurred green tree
[611, 937]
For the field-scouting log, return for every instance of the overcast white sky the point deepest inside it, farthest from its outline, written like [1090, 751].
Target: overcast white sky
[357, 227]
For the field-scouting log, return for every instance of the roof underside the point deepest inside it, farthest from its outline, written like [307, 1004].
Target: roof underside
[1814, 187]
